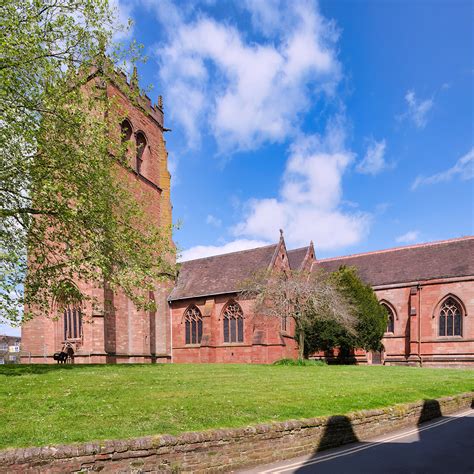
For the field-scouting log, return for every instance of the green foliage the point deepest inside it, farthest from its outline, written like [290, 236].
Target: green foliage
[301, 296]
[50, 404]
[370, 314]
[300, 362]
[325, 334]
[65, 213]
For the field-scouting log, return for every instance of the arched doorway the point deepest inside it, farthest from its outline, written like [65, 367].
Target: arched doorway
[70, 355]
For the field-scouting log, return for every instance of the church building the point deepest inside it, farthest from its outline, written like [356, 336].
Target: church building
[428, 290]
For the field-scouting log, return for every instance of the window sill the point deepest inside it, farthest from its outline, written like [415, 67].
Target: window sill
[450, 338]
[233, 344]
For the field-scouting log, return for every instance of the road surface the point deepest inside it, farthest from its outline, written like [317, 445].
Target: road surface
[444, 445]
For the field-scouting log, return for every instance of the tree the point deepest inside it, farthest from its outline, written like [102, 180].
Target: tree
[65, 212]
[326, 334]
[301, 296]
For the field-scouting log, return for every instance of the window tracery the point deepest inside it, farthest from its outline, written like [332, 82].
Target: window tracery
[450, 320]
[72, 319]
[193, 325]
[233, 323]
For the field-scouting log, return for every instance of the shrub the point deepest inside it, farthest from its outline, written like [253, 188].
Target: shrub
[300, 362]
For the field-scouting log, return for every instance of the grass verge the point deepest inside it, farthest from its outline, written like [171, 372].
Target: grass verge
[52, 404]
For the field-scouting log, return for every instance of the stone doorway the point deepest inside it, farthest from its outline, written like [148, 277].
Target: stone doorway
[70, 355]
[377, 357]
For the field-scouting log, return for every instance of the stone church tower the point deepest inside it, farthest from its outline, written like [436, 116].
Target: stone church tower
[114, 331]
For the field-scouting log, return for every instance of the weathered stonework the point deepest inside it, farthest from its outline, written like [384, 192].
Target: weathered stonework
[226, 449]
[412, 281]
[115, 331]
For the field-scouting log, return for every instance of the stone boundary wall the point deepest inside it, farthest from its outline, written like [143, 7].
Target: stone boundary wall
[227, 449]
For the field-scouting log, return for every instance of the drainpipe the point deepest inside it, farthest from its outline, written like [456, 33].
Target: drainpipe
[419, 324]
[170, 319]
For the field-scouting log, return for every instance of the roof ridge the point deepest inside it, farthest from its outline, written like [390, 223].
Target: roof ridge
[403, 247]
[228, 253]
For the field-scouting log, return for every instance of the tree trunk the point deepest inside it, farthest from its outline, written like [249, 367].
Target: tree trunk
[301, 344]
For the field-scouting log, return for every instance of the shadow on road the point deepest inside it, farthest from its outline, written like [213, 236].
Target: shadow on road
[338, 431]
[445, 448]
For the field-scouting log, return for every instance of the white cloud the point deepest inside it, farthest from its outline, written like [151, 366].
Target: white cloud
[409, 237]
[463, 169]
[266, 15]
[248, 90]
[247, 93]
[214, 221]
[374, 159]
[417, 109]
[309, 205]
[123, 29]
[201, 251]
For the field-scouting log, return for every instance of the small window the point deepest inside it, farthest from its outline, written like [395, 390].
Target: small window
[450, 318]
[193, 325]
[72, 323]
[141, 145]
[233, 323]
[2, 361]
[3, 347]
[390, 320]
[125, 131]
[284, 321]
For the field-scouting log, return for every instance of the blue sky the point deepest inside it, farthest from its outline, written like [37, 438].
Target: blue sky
[346, 122]
[349, 123]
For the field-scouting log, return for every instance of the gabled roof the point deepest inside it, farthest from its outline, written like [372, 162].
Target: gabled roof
[296, 257]
[221, 273]
[302, 258]
[443, 259]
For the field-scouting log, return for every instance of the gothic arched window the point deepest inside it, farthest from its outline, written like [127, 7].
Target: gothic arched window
[391, 318]
[193, 324]
[141, 145]
[72, 318]
[233, 323]
[450, 320]
[125, 131]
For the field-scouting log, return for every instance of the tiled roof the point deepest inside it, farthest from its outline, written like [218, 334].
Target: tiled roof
[444, 259]
[296, 257]
[221, 273]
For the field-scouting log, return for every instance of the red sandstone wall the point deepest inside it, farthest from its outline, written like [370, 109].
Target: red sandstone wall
[115, 331]
[263, 339]
[416, 336]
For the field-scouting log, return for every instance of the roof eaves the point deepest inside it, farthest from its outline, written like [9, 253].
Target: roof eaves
[204, 295]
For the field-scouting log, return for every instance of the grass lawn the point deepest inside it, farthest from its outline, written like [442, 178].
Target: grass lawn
[42, 405]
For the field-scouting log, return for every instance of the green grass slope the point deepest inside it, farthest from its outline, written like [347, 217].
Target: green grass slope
[42, 405]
